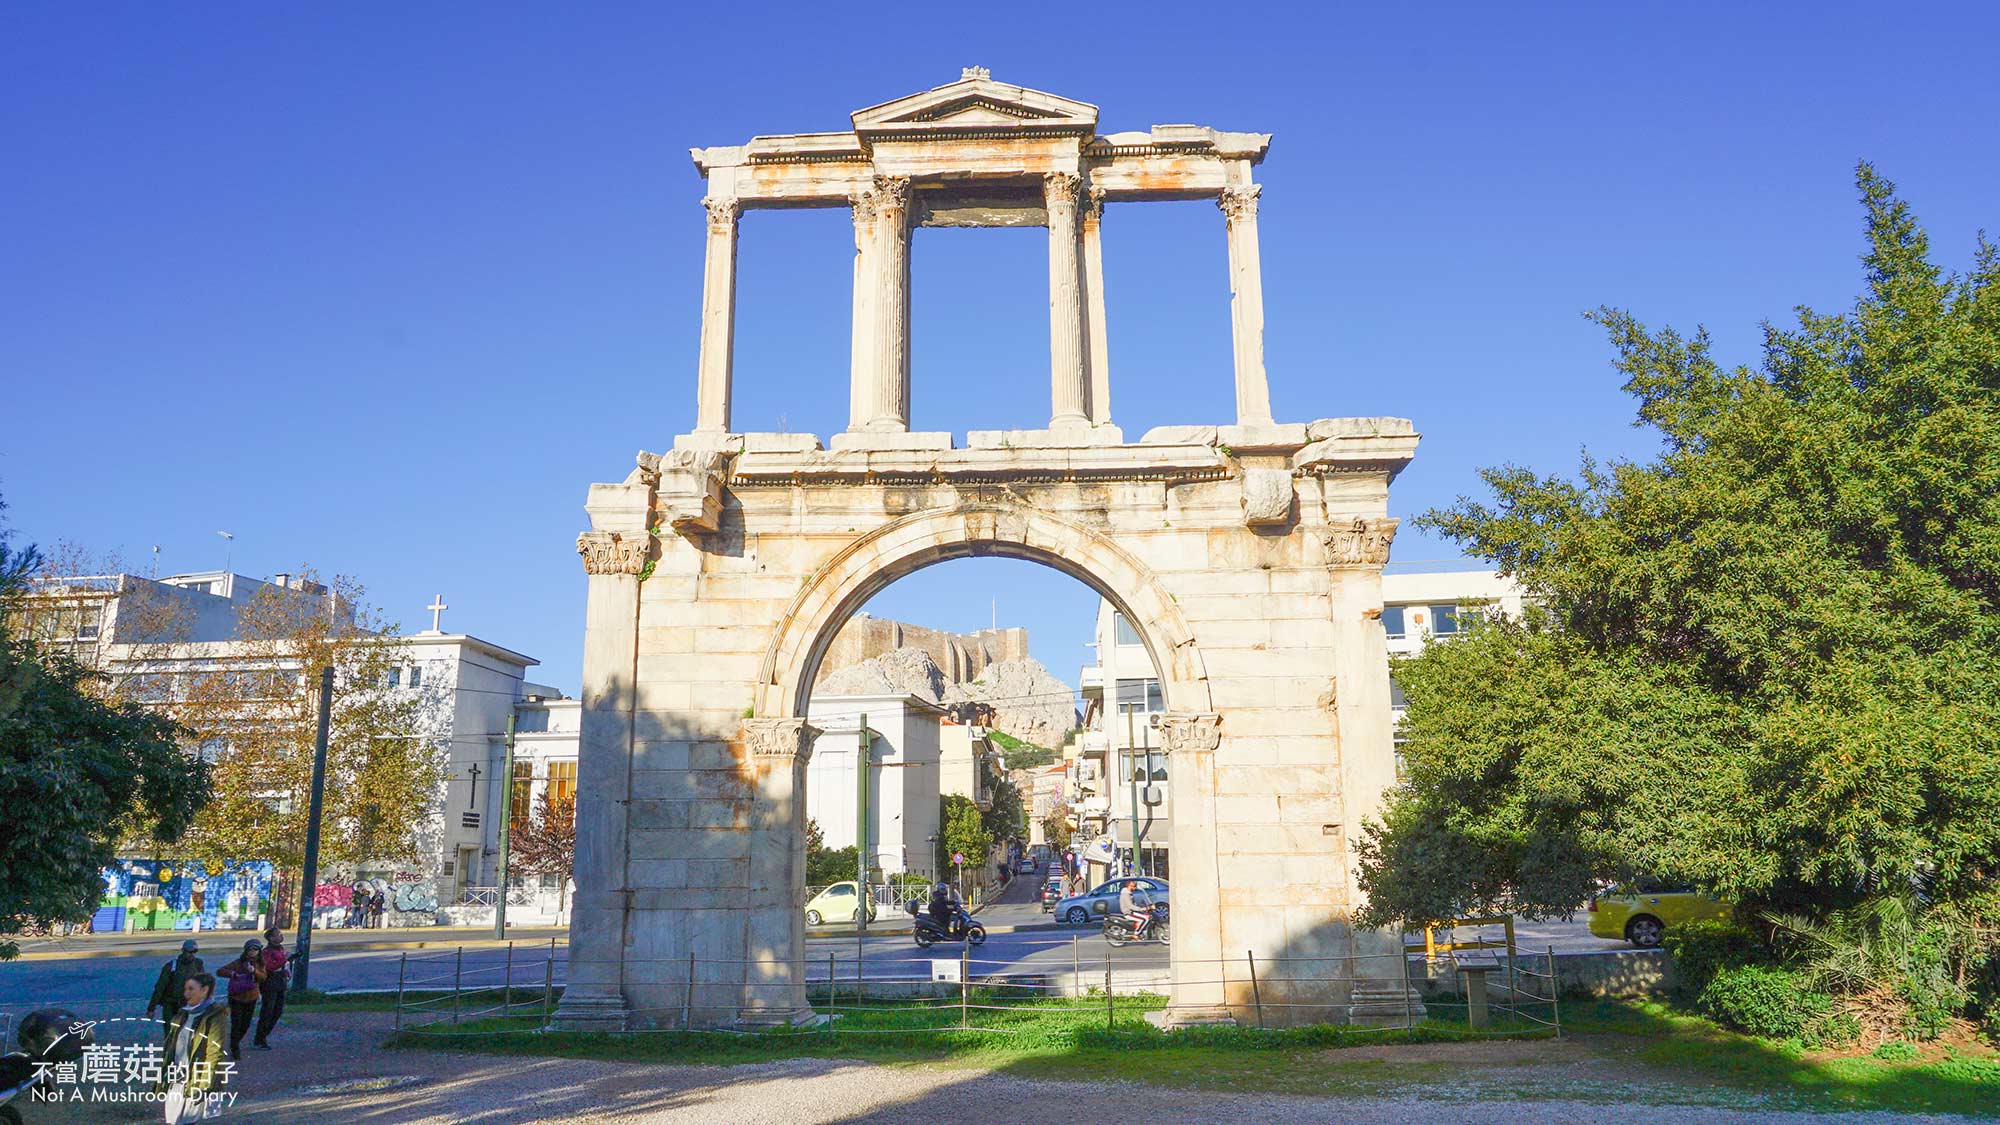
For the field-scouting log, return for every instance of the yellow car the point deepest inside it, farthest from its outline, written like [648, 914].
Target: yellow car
[1641, 913]
[836, 904]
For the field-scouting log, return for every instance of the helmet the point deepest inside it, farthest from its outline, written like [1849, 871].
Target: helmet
[189, 946]
[253, 946]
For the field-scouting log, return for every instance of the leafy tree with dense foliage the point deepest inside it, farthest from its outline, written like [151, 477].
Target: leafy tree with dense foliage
[545, 844]
[963, 832]
[826, 865]
[1766, 662]
[79, 773]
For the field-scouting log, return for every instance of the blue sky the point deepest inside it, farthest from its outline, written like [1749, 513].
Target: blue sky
[382, 287]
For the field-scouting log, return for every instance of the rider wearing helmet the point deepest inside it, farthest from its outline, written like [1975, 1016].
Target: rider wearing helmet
[1136, 904]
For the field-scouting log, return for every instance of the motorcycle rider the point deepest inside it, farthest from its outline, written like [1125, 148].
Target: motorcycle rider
[941, 911]
[1136, 904]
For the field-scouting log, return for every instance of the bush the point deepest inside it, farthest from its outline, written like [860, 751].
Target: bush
[1703, 948]
[1897, 1050]
[1767, 1001]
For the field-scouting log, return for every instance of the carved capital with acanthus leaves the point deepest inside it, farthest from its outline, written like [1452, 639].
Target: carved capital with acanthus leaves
[1361, 543]
[780, 738]
[1240, 202]
[611, 552]
[1184, 731]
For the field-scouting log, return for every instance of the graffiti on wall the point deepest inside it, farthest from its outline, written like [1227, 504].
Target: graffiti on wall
[165, 894]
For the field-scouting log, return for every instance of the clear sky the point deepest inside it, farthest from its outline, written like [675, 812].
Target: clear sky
[382, 288]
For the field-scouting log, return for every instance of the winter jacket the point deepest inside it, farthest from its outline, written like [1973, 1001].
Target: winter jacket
[174, 977]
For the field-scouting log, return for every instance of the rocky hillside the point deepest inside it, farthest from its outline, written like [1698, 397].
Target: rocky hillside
[1028, 701]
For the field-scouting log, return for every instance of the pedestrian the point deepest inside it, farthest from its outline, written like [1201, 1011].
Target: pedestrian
[246, 981]
[377, 907]
[174, 975]
[277, 974]
[193, 1054]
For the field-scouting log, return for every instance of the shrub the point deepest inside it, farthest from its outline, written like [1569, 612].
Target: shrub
[1897, 1050]
[1703, 948]
[1768, 1001]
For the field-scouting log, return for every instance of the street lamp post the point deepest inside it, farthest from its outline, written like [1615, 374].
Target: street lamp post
[309, 887]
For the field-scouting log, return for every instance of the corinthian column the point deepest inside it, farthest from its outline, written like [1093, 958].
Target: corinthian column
[1246, 305]
[880, 400]
[1094, 331]
[1069, 381]
[718, 317]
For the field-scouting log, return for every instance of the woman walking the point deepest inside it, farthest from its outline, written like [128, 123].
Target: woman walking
[246, 984]
[194, 1054]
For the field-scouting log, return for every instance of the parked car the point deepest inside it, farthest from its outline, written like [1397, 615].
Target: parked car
[1641, 913]
[1092, 906]
[1024, 866]
[836, 904]
[1052, 888]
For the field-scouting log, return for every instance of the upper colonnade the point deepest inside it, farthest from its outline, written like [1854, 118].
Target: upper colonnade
[980, 153]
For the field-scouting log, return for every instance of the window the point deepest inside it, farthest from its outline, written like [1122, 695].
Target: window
[1150, 766]
[87, 622]
[524, 785]
[416, 674]
[840, 890]
[562, 782]
[1444, 620]
[1392, 620]
[1396, 699]
[1122, 631]
[212, 749]
[396, 676]
[1140, 695]
[1401, 762]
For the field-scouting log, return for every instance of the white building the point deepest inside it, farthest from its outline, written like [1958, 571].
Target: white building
[903, 776]
[470, 688]
[1122, 787]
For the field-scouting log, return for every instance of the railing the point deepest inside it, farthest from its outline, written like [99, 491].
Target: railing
[487, 896]
[1433, 949]
[863, 992]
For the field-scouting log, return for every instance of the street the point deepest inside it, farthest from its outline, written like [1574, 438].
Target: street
[1021, 939]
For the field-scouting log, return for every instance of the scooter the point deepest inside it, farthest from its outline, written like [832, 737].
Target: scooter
[1118, 928]
[962, 928]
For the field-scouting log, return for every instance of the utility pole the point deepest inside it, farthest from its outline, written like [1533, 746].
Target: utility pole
[506, 826]
[1132, 764]
[309, 888]
[861, 756]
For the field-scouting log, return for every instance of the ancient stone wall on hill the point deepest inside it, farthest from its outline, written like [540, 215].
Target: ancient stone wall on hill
[961, 657]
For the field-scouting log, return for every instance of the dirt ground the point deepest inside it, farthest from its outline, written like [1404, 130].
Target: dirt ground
[328, 1068]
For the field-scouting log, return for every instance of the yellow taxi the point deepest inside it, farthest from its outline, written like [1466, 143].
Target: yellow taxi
[1641, 912]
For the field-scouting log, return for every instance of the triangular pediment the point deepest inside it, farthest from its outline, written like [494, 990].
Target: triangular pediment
[977, 104]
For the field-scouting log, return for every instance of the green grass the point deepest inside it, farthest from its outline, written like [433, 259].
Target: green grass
[1644, 1051]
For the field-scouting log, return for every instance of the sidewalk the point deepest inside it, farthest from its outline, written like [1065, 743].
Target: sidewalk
[155, 942]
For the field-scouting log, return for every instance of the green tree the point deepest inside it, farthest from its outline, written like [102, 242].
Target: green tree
[964, 833]
[546, 843]
[78, 774]
[1764, 662]
[826, 865]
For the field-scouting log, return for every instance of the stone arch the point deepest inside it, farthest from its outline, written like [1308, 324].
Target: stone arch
[910, 543]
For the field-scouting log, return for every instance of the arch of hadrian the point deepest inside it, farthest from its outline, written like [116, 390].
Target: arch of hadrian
[1248, 555]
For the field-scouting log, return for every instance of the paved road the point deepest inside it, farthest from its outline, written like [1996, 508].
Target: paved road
[95, 986]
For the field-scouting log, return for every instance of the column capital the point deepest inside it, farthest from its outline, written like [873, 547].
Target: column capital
[1182, 731]
[610, 552]
[1240, 202]
[1061, 187]
[1093, 204]
[892, 193]
[722, 213]
[1360, 544]
[780, 738]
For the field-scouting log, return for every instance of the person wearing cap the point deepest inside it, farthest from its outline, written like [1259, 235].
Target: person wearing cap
[174, 975]
[246, 982]
[277, 974]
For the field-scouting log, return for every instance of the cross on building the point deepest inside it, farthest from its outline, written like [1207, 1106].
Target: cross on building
[437, 608]
[474, 770]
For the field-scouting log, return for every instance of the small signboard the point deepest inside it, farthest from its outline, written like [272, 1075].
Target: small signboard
[945, 971]
[959, 858]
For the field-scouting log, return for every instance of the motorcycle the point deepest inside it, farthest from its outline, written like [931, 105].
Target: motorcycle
[962, 928]
[1118, 928]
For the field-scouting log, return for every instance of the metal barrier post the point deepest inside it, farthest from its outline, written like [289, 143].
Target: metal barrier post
[964, 970]
[548, 983]
[457, 980]
[832, 984]
[507, 983]
[1409, 1015]
[402, 965]
[687, 1004]
[1108, 1016]
[1075, 967]
[1256, 996]
[1555, 993]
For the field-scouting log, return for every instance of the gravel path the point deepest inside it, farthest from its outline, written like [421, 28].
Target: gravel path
[329, 1070]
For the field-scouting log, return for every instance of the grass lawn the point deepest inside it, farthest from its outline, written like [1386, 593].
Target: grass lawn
[1611, 1052]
